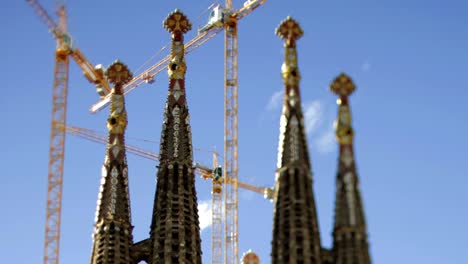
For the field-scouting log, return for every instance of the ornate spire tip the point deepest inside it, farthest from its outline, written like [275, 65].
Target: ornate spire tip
[177, 21]
[342, 86]
[289, 29]
[118, 73]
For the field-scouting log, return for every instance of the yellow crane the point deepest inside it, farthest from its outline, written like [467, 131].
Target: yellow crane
[63, 50]
[220, 18]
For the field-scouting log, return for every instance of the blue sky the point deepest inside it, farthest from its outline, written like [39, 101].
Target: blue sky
[407, 58]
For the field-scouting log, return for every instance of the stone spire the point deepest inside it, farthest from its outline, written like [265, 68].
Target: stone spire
[113, 229]
[175, 231]
[349, 234]
[296, 237]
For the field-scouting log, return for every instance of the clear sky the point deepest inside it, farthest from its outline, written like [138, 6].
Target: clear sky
[409, 60]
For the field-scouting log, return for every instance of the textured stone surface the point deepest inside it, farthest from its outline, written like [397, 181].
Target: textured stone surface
[296, 238]
[175, 232]
[350, 244]
[112, 237]
[141, 251]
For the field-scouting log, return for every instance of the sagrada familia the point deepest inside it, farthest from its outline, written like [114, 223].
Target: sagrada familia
[174, 234]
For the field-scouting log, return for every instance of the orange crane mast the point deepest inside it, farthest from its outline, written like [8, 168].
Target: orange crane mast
[63, 50]
[231, 235]
[231, 241]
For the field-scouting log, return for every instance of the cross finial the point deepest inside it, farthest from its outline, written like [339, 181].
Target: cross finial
[289, 30]
[118, 73]
[177, 21]
[342, 86]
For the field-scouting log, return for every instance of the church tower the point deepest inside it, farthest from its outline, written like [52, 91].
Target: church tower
[112, 237]
[350, 244]
[296, 237]
[175, 231]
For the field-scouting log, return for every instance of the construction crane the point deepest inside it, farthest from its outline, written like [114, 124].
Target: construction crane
[227, 19]
[63, 50]
[203, 171]
[215, 25]
[231, 241]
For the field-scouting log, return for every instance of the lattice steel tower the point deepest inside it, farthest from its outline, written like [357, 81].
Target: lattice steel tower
[175, 231]
[296, 237]
[350, 244]
[113, 238]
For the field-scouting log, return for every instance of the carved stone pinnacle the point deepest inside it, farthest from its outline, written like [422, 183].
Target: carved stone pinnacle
[118, 73]
[177, 21]
[342, 85]
[289, 30]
